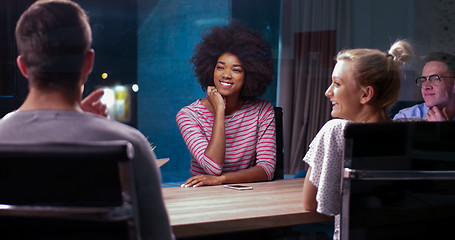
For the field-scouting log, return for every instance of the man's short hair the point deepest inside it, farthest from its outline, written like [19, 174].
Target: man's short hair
[446, 58]
[53, 38]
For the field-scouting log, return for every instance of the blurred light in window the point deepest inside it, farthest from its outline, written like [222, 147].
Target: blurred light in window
[135, 87]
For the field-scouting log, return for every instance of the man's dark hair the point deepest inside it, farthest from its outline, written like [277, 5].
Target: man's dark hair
[53, 37]
[446, 58]
[248, 45]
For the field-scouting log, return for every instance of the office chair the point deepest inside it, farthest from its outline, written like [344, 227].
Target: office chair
[398, 181]
[67, 191]
[279, 168]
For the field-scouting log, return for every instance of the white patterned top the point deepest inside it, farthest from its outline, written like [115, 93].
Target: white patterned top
[325, 156]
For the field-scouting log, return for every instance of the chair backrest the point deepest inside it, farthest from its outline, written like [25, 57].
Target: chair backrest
[279, 168]
[84, 184]
[398, 180]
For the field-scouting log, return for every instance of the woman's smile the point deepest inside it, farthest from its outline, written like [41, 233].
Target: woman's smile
[226, 84]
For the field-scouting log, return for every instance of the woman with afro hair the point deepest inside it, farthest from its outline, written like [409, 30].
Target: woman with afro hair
[230, 133]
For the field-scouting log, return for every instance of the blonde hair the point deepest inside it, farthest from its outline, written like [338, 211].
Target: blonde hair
[381, 70]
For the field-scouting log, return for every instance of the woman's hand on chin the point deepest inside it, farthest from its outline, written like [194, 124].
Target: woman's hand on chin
[215, 99]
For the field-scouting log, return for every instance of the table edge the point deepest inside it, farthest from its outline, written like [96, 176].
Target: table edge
[237, 225]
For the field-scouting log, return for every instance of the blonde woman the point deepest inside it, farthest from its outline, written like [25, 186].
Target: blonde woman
[365, 84]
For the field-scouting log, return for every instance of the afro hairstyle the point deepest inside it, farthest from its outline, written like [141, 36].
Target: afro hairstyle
[248, 45]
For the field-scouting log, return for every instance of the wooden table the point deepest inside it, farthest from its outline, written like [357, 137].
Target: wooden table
[216, 209]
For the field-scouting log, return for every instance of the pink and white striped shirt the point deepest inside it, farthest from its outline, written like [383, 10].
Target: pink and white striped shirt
[250, 137]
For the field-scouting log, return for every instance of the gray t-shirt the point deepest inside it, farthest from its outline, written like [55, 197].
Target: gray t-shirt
[70, 126]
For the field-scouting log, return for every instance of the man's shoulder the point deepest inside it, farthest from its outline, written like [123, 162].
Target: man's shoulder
[113, 126]
[418, 110]
[420, 106]
[8, 115]
[67, 123]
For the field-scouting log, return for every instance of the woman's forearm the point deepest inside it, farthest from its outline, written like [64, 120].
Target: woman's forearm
[217, 145]
[252, 174]
[309, 193]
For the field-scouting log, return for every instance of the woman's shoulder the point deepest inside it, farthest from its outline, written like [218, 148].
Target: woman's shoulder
[195, 104]
[260, 108]
[335, 124]
[194, 107]
[264, 103]
[194, 112]
[332, 130]
[331, 134]
[259, 104]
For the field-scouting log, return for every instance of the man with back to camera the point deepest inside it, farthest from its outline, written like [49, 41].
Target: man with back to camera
[54, 38]
[437, 85]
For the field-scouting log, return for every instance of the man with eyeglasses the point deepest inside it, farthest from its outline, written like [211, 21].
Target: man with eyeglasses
[437, 85]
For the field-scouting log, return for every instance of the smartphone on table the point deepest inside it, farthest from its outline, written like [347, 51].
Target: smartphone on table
[238, 187]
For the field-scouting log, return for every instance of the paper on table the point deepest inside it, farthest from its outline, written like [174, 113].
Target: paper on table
[162, 161]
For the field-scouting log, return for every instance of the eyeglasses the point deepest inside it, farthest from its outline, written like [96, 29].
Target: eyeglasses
[434, 79]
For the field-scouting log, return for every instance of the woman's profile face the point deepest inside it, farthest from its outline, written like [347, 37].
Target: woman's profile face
[344, 92]
[228, 75]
